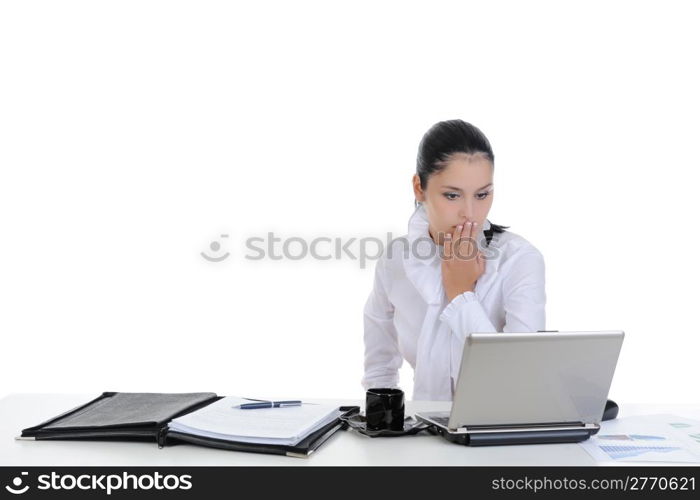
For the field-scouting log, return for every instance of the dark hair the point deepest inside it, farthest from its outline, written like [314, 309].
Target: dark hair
[443, 140]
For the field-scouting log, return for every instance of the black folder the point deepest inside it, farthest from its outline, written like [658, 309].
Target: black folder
[145, 416]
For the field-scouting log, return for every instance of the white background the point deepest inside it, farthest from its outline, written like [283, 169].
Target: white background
[133, 134]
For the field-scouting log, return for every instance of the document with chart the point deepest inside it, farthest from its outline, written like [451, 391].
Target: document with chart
[646, 438]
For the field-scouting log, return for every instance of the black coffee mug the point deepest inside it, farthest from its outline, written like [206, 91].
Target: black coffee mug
[384, 409]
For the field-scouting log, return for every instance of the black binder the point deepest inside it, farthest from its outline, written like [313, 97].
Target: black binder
[145, 416]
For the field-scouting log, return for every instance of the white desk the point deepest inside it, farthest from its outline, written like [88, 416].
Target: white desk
[19, 411]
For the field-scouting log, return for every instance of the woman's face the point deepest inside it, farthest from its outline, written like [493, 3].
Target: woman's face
[461, 192]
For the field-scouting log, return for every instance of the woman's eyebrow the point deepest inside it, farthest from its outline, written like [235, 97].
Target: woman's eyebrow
[458, 189]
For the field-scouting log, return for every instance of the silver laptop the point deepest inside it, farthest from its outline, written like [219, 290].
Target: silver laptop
[517, 388]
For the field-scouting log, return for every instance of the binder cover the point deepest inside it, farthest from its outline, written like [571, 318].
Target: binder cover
[145, 416]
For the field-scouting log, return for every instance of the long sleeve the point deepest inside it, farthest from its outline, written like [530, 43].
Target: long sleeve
[382, 356]
[523, 301]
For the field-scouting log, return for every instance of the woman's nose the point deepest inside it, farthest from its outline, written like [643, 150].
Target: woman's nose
[466, 213]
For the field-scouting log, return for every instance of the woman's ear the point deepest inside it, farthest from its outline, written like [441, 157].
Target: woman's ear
[417, 191]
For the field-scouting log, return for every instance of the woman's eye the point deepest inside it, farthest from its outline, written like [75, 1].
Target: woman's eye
[479, 196]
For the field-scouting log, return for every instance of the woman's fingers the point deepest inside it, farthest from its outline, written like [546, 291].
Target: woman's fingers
[447, 246]
[465, 241]
[462, 242]
[474, 248]
[459, 233]
[476, 233]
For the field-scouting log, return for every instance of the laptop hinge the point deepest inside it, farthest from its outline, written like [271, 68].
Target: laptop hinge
[552, 426]
[524, 425]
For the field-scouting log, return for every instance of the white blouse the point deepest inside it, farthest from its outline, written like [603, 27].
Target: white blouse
[407, 315]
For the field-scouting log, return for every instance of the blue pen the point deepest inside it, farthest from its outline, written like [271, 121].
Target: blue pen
[268, 404]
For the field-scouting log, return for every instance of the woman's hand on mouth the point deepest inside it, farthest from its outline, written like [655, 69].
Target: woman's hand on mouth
[462, 262]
